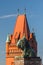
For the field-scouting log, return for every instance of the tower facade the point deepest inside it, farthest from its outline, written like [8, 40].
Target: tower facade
[21, 29]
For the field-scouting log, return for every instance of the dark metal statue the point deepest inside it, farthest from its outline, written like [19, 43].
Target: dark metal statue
[25, 46]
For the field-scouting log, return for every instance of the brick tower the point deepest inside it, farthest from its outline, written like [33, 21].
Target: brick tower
[21, 28]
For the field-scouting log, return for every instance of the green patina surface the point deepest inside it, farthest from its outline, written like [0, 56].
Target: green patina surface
[25, 46]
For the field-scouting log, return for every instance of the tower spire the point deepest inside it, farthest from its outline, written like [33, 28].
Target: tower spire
[21, 28]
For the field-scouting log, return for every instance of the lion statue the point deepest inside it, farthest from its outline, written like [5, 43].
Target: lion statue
[25, 47]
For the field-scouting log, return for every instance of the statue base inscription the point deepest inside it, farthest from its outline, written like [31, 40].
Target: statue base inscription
[28, 61]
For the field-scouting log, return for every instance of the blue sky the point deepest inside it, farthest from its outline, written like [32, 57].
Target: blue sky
[8, 14]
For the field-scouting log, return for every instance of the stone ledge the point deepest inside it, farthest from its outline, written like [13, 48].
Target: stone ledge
[28, 61]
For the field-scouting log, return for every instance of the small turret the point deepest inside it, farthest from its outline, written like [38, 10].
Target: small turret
[8, 38]
[7, 44]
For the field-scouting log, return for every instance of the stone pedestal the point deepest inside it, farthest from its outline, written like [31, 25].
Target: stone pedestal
[28, 61]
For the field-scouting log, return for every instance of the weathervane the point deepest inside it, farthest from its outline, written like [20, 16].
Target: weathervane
[33, 30]
[18, 11]
[25, 10]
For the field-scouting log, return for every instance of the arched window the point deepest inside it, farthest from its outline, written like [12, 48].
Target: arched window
[19, 36]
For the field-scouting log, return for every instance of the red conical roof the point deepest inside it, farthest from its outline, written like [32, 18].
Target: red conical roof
[21, 28]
